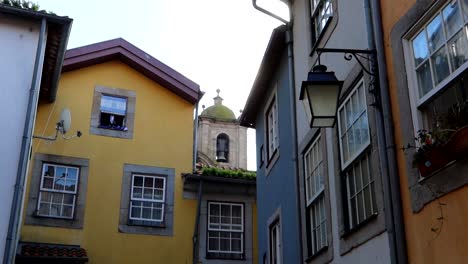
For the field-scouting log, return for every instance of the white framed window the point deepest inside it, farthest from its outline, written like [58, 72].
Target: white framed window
[272, 128]
[225, 227]
[147, 198]
[321, 11]
[315, 194]
[57, 191]
[353, 125]
[275, 243]
[360, 191]
[436, 54]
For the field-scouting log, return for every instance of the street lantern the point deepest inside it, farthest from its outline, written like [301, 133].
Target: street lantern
[322, 89]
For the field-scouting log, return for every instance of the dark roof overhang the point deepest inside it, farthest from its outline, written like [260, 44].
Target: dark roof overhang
[120, 49]
[58, 32]
[269, 64]
[217, 179]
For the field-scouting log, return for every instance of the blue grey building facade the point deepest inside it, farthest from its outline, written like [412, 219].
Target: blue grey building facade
[268, 110]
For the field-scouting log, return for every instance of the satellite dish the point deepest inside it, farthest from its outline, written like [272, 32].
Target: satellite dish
[65, 119]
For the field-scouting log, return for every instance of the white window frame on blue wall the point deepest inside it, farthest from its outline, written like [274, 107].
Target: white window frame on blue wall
[315, 194]
[151, 203]
[271, 129]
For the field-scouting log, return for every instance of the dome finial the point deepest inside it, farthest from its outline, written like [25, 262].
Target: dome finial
[218, 100]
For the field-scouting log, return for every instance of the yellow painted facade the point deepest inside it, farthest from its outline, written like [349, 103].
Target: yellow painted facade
[423, 244]
[163, 137]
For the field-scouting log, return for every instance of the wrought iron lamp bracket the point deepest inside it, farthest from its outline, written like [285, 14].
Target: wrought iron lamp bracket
[359, 55]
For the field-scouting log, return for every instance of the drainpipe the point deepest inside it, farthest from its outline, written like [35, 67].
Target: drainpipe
[195, 133]
[196, 230]
[391, 185]
[18, 196]
[292, 104]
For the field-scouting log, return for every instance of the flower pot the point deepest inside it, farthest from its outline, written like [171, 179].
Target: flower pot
[434, 159]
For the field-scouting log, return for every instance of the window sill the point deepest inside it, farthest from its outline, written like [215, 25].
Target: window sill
[145, 223]
[316, 254]
[349, 232]
[438, 184]
[225, 256]
[118, 128]
[271, 162]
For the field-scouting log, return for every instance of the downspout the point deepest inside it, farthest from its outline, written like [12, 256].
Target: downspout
[292, 104]
[196, 230]
[195, 133]
[391, 185]
[195, 238]
[18, 195]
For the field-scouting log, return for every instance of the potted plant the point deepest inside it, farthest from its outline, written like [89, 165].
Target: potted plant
[430, 153]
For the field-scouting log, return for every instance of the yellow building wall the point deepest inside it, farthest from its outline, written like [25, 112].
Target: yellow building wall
[423, 245]
[163, 137]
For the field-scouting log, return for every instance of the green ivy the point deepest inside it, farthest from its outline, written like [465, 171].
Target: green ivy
[236, 174]
[23, 4]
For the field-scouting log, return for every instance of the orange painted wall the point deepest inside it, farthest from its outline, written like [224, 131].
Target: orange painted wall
[424, 246]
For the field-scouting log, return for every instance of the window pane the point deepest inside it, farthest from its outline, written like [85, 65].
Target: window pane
[67, 211]
[48, 182]
[44, 208]
[420, 48]
[135, 212]
[440, 65]
[225, 210]
[57, 198]
[113, 105]
[137, 192]
[367, 201]
[157, 214]
[147, 193]
[149, 182]
[214, 209]
[59, 184]
[237, 245]
[158, 194]
[236, 211]
[435, 33]
[424, 79]
[49, 170]
[159, 183]
[452, 18]
[70, 185]
[137, 181]
[68, 199]
[55, 210]
[458, 49]
[146, 213]
[72, 174]
[46, 197]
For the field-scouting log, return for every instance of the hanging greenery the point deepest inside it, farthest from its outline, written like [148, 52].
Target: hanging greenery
[23, 4]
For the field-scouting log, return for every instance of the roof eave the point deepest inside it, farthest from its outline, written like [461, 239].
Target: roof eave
[269, 63]
[149, 66]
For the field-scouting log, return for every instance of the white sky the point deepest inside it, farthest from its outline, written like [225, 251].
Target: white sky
[215, 43]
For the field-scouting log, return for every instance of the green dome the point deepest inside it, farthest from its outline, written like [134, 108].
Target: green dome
[220, 112]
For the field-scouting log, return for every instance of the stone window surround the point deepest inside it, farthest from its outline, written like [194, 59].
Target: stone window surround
[241, 197]
[325, 254]
[274, 219]
[225, 256]
[326, 31]
[31, 218]
[450, 178]
[94, 128]
[126, 225]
